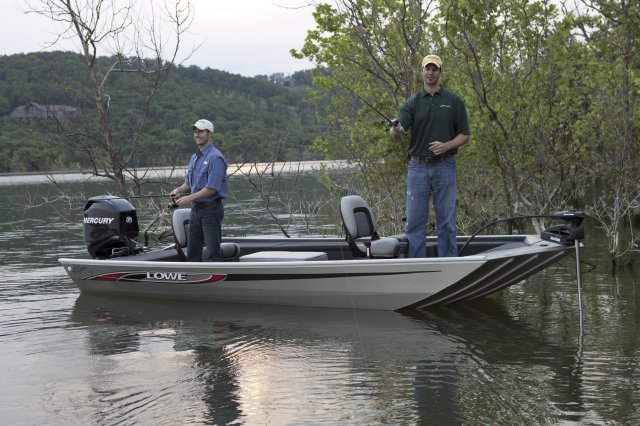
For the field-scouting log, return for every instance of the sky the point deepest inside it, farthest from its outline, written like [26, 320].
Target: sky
[246, 37]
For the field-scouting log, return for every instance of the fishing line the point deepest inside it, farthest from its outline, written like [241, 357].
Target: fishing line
[348, 279]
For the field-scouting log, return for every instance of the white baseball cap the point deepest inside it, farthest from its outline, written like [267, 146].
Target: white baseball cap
[203, 124]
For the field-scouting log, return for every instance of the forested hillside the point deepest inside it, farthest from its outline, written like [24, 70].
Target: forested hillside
[256, 119]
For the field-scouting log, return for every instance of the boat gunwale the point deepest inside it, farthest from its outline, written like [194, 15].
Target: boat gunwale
[524, 249]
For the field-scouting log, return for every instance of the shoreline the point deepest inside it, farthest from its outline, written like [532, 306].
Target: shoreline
[164, 173]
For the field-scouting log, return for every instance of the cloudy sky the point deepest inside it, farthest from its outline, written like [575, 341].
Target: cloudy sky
[247, 37]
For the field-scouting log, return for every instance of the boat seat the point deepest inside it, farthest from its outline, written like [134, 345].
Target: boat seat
[283, 256]
[180, 225]
[361, 230]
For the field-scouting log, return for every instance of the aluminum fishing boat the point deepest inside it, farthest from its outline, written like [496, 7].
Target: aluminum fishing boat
[360, 271]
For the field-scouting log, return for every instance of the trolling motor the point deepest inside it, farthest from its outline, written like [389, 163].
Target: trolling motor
[565, 233]
[110, 227]
[569, 233]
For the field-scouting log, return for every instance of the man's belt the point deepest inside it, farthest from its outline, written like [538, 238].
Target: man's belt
[431, 160]
[206, 203]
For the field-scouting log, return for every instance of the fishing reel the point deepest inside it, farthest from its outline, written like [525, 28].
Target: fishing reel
[172, 205]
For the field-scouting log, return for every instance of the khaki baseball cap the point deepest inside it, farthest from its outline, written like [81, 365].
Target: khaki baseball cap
[432, 59]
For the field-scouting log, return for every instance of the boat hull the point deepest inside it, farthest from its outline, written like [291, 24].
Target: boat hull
[381, 284]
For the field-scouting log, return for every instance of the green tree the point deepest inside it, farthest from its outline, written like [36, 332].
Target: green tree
[249, 114]
[516, 64]
[366, 53]
[526, 74]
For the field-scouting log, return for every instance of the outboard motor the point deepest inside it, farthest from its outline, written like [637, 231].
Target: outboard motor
[110, 227]
[566, 233]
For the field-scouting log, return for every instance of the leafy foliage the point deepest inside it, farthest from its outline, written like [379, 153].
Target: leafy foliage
[552, 97]
[255, 118]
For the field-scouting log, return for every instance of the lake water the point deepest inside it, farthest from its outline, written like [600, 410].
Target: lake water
[520, 356]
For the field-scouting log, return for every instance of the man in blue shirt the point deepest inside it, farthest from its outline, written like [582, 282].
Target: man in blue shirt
[206, 184]
[437, 119]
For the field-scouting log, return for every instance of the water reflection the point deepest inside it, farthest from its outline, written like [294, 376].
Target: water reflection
[511, 359]
[278, 364]
[552, 386]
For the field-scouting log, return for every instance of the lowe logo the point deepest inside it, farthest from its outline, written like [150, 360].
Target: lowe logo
[167, 276]
[99, 220]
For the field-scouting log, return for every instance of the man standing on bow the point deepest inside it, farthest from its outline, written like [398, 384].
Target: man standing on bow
[437, 119]
[206, 184]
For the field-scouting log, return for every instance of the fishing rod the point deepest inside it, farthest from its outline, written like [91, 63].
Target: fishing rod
[151, 196]
[157, 195]
[172, 205]
[390, 122]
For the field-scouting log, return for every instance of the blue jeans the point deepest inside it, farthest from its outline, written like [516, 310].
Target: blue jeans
[205, 223]
[423, 180]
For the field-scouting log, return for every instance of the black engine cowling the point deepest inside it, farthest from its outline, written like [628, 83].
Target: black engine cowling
[110, 227]
[567, 233]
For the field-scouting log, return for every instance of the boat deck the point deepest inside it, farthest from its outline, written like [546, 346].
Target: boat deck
[337, 248]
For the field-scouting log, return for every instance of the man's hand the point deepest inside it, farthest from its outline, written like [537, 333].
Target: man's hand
[438, 147]
[182, 201]
[179, 197]
[396, 130]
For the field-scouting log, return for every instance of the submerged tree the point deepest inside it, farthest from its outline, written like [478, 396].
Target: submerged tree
[134, 36]
[610, 126]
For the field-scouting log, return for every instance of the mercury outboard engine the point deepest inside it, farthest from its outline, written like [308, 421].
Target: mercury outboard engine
[110, 227]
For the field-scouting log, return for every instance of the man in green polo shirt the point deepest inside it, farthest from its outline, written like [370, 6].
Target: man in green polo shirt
[437, 120]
